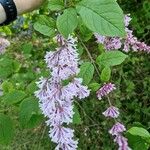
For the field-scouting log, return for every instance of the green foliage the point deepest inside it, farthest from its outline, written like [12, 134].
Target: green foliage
[85, 33]
[29, 113]
[112, 58]
[139, 131]
[6, 129]
[76, 116]
[106, 74]
[6, 67]
[136, 143]
[67, 22]
[32, 87]
[7, 87]
[103, 17]
[45, 25]
[27, 48]
[86, 72]
[55, 5]
[94, 86]
[14, 96]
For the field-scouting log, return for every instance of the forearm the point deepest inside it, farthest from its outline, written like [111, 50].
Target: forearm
[2, 14]
[23, 6]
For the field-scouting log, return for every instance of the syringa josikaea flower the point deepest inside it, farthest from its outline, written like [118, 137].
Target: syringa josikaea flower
[122, 142]
[130, 42]
[112, 112]
[64, 137]
[105, 90]
[117, 129]
[76, 86]
[56, 100]
[127, 20]
[3, 45]
[100, 38]
[64, 61]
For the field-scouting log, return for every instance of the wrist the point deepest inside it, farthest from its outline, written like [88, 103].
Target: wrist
[8, 8]
[24, 6]
[2, 14]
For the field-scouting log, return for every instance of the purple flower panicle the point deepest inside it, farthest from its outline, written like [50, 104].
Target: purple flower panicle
[113, 112]
[56, 100]
[130, 42]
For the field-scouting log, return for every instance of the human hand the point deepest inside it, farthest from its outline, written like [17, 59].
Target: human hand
[22, 6]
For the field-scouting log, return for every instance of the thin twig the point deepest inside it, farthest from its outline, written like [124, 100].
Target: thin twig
[85, 112]
[43, 132]
[65, 3]
[93, 62]
[90, 56]
[109, 101]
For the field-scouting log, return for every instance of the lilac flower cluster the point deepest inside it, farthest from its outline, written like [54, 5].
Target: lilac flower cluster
[113, 112]
[130, 42]
[3, 45]
[56, 100]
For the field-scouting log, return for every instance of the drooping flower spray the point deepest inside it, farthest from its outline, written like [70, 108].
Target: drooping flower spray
[129, 43]
[56, 99]
[113, 112]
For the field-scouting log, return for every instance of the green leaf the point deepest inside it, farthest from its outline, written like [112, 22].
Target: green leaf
[14, 97]
[85, 33]
[6, 129]
[86, 72]
[34, 121]
[106, 73]
[29, 113]
[94, 86]
[26, 48]
[5, 72]
[102, 16]
[112, 58]
[67, 22]
[76, 116]
[6, 67]
[80, 50]
[32, 87]
[136, 142]
[7, 87]
[139, 132]
[16, 66]
[55, 5]
[45, 25]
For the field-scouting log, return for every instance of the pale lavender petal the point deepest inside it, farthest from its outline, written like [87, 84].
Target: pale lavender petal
[105, 90]
[112, 112]
[117, 129]
[122, 142]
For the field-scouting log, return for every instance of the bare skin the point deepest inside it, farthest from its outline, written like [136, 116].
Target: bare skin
[23, 6]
